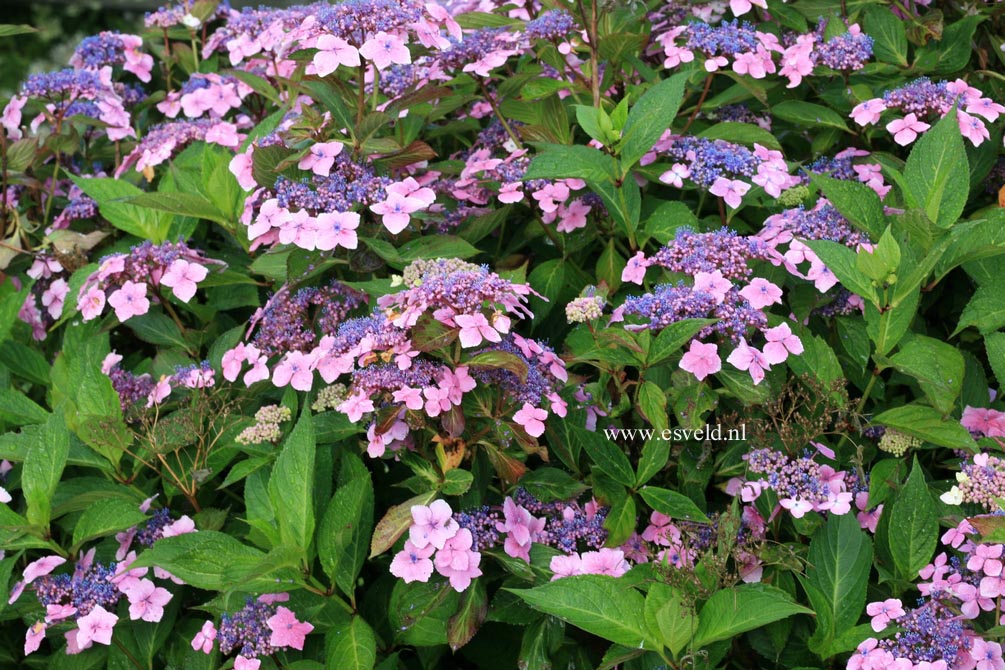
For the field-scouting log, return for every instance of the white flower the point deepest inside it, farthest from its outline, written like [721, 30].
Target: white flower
[191, 21]
[952, 497]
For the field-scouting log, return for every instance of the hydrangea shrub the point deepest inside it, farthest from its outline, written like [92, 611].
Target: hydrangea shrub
[401, 334]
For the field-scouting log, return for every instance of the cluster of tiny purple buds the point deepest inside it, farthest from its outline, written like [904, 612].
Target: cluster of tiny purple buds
[937, 631]
[847, 52]
[85, 588]
[802, 484]
[723, 250]
[123, 280]
[552, 25]
[137, 393]
[783, 234]
[669, 303]
[110, 48]
[981, 481]
[163, 140]
[293, 320]
[247, 630]
[570, 526]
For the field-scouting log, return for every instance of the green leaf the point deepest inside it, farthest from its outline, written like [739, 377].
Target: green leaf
[550, 484]
[623, 202]
[937, 366]
[995, 345]
[953, 51]
[666, 613]
[742, 608]
[675, 505]
[741, 133]
[292, 483]
[808, 115]
[843, 262]
[206, 560]
[561, 161]
[500, 360]
[986, 309]
[470, 615]
[937, 172]
[602, 605]
[157, 328]
[839, 562]
[887, 328]
[344, 533]
[620, 521]
[673, 337]
[43, 468]
[651, 401]
[914, 525]
[113, 197]
[888, 34]
[655, 454]
[605, 454]
[10, 30]
[436, 246]
[856, 202]
[105, 517]
[420, 612]
[19, 410]
[971, 241]
[395, 522]
[548, 279]
[649, 118]
[666, 219]
[352, 645]
[928, 424]
[456, 482]
[183, 204]
[610, 265]
[817, 360]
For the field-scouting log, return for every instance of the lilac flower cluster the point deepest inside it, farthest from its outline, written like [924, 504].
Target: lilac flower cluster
[823, 222]
[845, 53]
[680, 543]
[87, 598]
[348, 184]
[72, 92]
[981, 480]
[111, 48]
[348, 19]
[751, 52]
[388, 369]
[723, 168]
[937, 634]
[163, 140]
[846, 165]
[669, 303]
[451, 543]
[923, 101]
[123, 280]
[260, 628]
[715, 261]
[138, 393]
[290, 320]
[723, 250]
[553, 26]
[569, 526]
[738, 113]
[802, 484]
